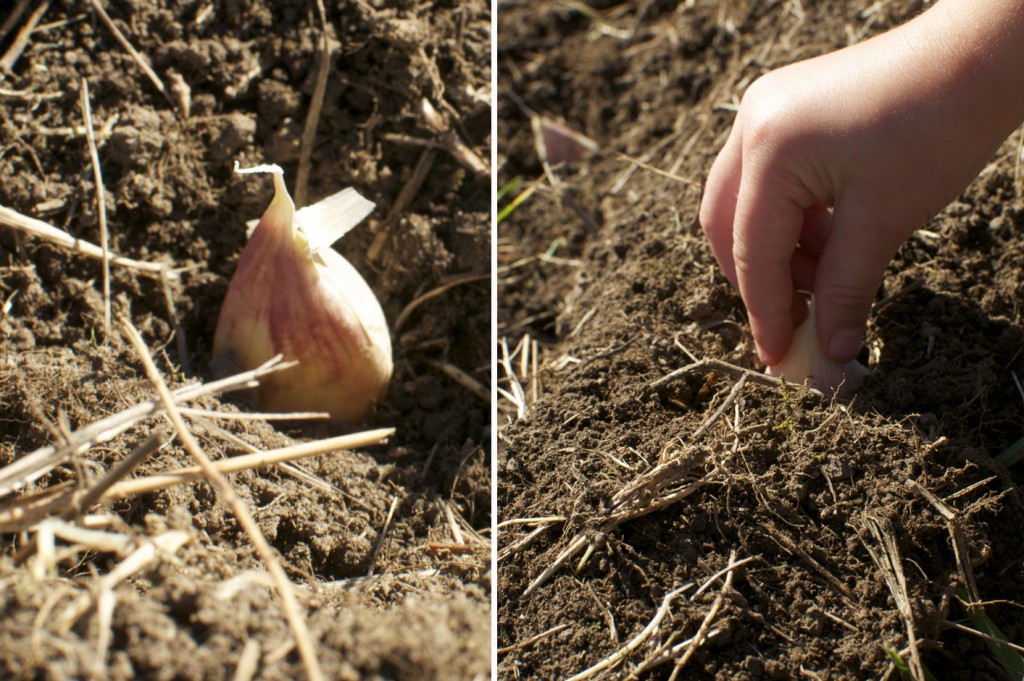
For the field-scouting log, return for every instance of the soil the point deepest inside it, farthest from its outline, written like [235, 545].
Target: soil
[249, 69]
[608, 281]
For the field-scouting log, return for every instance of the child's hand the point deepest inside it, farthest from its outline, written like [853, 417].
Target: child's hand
[884, 133]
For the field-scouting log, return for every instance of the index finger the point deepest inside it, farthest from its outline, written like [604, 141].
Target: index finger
[766, 232]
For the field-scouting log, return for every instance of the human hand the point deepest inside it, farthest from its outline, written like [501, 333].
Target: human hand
[833, 162]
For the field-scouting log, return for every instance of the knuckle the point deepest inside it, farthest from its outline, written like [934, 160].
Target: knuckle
[847, 297]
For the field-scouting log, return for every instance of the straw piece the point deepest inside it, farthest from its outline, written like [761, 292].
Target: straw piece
[250, 461]
[37, 228]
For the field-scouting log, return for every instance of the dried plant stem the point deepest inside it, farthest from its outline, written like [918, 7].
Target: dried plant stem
[658, 171]
[30, 509]
[101, 203]
[316, 104]
[956, 535]
[250, 461]
[21, 39]
[38, 228]
[12, 18]
[710, 421]
[706, 365]
[521, 544]
[624, 652]
[383, 536]
[533, 639]
[441, 126]
[699, 637]
[142, 62]
[82, 501]
[179, 330]
[405, 196]
[434, 293]
[887, 559]
[462, 378]
[233, 503]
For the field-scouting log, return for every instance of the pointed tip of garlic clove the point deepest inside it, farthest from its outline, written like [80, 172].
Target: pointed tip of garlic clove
[556, 143]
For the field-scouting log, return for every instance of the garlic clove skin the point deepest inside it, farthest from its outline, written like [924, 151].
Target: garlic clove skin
[807, 363]
[308, 305]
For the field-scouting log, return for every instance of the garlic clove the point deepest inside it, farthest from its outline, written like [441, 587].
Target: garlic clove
[807, 363]
[309, 305]
[556, 143]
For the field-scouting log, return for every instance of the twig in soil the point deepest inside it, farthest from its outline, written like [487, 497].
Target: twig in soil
[548, 519]
[915, 284]
[80, 501]
[233, 503]
[248, 662]
[613, 632]
[789, 545]
[286, 467]
[101, 203]
[37, 228]
[141, 61]
[707, 365]
[688, 647]
[405, 196]
[104, 131]
[179, 330]
[452, 524]
[254, 461]
[20, 41]
[441, 126]
[256, 415]
[699, 637]
[515, 393]
[574, 547]
[379, 544]
[662, 485]
[518, 546]
[887, 560]
[981, 634]
[462, 378]
[33, 466]
[730, 398]
[533, 639]
[434, 293]
[956, 534]
[353, 583]
[12, 18]
[316, 104]
[634, 643]
[658, 171]
[30, 96]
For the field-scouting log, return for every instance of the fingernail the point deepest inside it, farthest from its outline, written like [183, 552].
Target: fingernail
[844, 345]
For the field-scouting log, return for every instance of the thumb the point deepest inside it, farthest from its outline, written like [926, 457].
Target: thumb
[849, 272]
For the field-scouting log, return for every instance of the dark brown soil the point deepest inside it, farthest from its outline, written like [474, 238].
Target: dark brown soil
[250, 66]
[616, 285]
